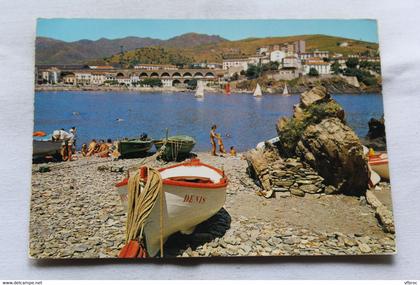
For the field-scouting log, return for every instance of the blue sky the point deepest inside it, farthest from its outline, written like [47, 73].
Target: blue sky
[93, 29]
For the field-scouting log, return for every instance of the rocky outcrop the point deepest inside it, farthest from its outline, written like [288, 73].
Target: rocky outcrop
[375, 137]
[335, 151]
[318, 134]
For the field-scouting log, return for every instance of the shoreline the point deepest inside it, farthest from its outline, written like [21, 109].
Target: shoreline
[140, 90]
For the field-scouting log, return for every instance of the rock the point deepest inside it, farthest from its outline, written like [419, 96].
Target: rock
[330, 190]
[383, 214]
[284, 194]
[80, 248]
[297, 192]
[376, 128]
[310, 189]
[333, 145]
[316, 94]
[259, 164]
[364, 248]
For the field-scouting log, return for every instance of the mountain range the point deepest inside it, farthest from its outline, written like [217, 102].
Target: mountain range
[186, 48]
[52, 51]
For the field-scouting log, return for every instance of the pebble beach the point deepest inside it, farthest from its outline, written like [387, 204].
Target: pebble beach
[76, 212]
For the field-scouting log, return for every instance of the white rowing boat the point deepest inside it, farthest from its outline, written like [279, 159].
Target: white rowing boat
[193, 192]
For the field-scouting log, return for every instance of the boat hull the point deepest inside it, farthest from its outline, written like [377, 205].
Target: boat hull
[192, 193]
[183, 209]
[134, 148]
[380, 166]
[44, 148]
[176, 148]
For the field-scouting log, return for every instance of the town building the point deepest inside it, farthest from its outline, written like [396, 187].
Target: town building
[299, 46]
[323, 68]
[237, 63]
[291, 62]
[277, 56]
[263, 51]
[83, 77]
[68, 78]
[98, 78]
[102, 67]
[156, 67]
[315, 53]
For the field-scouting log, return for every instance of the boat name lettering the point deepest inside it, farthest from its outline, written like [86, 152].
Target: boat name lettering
[194, 199]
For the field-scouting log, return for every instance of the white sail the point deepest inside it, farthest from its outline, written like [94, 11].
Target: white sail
[257, 92]
[199, 93]
[285, 91]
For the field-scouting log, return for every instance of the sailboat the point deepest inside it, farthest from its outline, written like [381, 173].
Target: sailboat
[257, 92]
[199, 93]
[227, 88]
[285, 90]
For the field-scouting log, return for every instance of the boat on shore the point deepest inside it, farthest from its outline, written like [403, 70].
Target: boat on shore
[192, 193]
[261, 145]
[257, 91]
[43, 148]
[379, 164]
[175, 147]
[132, 148]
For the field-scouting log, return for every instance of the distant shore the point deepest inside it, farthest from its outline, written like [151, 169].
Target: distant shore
[54, 88]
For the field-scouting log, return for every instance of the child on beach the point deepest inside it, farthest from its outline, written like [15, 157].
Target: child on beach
[220, 143]
[92, 148]
[232, 151]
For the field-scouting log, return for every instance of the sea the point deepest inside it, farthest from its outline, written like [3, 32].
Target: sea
[242, 120]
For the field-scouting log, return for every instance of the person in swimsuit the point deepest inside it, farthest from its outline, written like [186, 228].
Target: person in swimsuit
[212, 139]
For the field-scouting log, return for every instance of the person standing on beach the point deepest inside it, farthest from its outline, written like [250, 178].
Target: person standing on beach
[213, 139]
[67, 143]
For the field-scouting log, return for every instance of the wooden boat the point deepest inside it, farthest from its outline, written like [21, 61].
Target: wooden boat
[193, 192]
[42, 148]
[261, 145]
[258, 92]
[176, 147]
[131, 148]
[379, 164]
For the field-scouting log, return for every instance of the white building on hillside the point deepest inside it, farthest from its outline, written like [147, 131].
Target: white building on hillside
[323, 68]
[291, 62]
[277, 56]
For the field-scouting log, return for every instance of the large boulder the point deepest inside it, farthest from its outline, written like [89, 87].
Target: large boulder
[335, 151]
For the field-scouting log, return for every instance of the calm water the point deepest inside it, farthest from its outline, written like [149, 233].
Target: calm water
[242, 119]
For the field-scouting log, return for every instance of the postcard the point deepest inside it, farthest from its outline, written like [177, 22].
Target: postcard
[203, 138]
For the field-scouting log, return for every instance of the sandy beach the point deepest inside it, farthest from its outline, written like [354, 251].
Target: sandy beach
[76, 212]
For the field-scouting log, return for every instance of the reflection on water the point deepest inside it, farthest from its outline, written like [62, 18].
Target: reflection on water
[242, 120]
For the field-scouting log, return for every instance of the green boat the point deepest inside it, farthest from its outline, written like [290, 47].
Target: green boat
[176, 147]
[132, 148]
